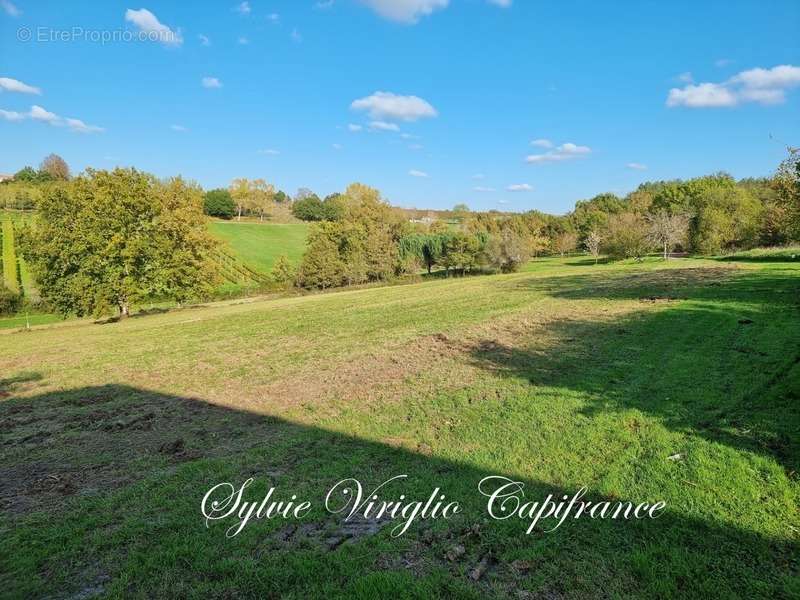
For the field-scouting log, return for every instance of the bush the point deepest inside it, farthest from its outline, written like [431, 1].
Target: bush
[508, 250]
[10, 302]
[218, 203]
[282, 271]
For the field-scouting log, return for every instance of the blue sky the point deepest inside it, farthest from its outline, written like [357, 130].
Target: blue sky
[509, 104]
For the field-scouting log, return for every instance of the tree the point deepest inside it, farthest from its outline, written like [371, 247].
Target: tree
[309, 208]
[282, 271]
[461, 211]
[108, 239]
[461, 252]
[56, 167]
[787, 185]
[262, 196]
[240, 192]
[592, 243]
[667, 230]
[566, 242]
[627, 236]
[26, 175]
[507, 250]
[218, 203]
[322, 266]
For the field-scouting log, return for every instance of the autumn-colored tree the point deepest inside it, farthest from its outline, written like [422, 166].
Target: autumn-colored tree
[55, 167]
[667, 230]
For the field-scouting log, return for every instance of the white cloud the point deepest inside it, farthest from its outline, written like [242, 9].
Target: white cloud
[405, 11]
[520, 187]
[383, 126]
[273, 17]
[211, 82]
[11, 115]
[243, 41]
[567, 151]
[243, 8]
[38, 113]
[10, 8]
[501, 3]
[204, 40]
[685, 77]
[155, 31]
[385, 105]
[542, 143]
[636, 166]
[416, 173]
[478, 176]
[723, 62]
[481, 188]
[763, 86]
[337, 146]
[354, 127]
[269, 151]
[80, 127]
[415, 146]
[179, 128]
[14, 85]
[701, 95]
[323, 4]
[409, 136]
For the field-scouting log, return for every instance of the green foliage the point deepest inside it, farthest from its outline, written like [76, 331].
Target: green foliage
[322, 265]
[218, 203]
[787, 187]
[311, 208]
[10, 265]
[462, 253]
[108, 239]
[19, 196]
[10, 302]
[361, 246]
[508, 250]
[283, 271]
[55, 168]
[627, 236]
[31, 175]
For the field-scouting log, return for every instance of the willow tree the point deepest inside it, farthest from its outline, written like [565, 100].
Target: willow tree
[108, 239]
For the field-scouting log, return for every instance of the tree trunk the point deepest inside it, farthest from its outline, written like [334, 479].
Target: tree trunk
[124, 309]
[239, 217]
[665, 251]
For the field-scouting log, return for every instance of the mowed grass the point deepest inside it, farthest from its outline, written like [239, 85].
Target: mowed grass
[672, 381]
[259, 245]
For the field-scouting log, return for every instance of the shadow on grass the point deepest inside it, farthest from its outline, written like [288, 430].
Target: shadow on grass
[101, 490]
[712, 352]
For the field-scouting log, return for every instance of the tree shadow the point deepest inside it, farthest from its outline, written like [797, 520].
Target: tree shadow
[711, 352]
[101, 490]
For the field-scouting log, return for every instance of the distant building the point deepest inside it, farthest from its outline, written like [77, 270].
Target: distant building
[5, 177]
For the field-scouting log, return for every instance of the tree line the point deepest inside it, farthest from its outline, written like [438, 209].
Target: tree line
[105, 240]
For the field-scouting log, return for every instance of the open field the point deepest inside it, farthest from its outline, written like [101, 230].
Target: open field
[674, 381]
[258, 245]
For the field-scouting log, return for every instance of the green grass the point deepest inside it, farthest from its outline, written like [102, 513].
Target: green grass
[10, 277]
[258, 245]
[563, 376]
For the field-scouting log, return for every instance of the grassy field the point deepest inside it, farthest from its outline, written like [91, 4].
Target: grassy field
[258, 245]
[674, 381]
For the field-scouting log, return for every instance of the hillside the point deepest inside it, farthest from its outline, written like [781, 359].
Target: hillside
[258, 245]
[668, 381]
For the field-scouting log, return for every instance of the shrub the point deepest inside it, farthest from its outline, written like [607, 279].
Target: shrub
[218, 203]
[10, 302]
